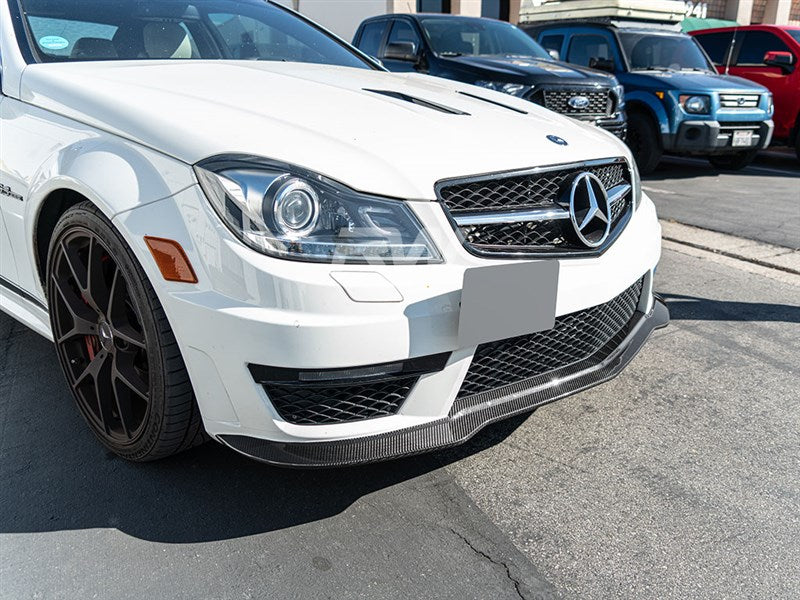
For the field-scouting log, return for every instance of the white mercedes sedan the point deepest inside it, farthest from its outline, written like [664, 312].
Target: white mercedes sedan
[233, 224]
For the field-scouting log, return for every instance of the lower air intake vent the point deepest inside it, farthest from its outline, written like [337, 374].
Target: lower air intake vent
[327, 404]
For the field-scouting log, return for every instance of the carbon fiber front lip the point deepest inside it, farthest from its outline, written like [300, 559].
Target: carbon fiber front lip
[468, 415]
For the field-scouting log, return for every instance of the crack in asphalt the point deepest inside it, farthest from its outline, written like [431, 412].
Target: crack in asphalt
[500, 563]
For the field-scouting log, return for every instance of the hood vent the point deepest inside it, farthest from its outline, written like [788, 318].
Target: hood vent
[495, 102]
[417, 101]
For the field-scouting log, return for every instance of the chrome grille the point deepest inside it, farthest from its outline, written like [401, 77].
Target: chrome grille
[524, 213]
[739, 100]
[574, 338]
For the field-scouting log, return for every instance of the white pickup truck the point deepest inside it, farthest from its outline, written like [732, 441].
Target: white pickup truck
[233, 224]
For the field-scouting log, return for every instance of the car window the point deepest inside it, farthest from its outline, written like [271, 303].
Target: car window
[583, 48]
[663, 52]
[60, 36]
[795, 33]
[457, 36]
[402, 31]
[552, 42]
[371, 36]
[716, 45]
[65, 30]
[756, 44]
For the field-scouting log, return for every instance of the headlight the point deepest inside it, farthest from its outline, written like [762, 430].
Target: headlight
[288, 212]
[619, 90]
[515, 89]
[696, 105]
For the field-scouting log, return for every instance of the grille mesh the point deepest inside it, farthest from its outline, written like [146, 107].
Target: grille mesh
[600, 102]
[522, 191]
[574, 338]
[327, 404]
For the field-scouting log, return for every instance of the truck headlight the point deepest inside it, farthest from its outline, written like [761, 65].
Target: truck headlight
[288, 212]
[619, 91]
[696, 105]
[515, 89]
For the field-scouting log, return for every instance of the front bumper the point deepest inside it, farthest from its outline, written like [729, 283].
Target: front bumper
[249, 309]
[467, 417]
[616, 124]
[715, 137]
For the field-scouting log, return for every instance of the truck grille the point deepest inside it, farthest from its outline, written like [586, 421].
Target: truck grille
[600, 102]
[330, 403]
[739, 100]
[477, 207]
[575, 337]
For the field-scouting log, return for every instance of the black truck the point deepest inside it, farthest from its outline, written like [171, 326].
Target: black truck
[495, 55]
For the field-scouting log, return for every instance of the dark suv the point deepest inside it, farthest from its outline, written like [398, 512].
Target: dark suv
[495, 55]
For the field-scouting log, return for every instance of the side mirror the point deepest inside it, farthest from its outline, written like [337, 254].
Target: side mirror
[782, 60]
[405, 51]
[554, 54]
[602, 64]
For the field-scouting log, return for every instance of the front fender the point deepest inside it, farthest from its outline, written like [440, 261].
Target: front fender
[651, 103]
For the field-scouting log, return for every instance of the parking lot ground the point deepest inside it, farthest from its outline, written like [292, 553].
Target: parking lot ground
[761, 202]
[678, 479]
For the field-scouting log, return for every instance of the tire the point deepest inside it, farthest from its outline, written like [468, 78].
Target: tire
[644, 142]
[733, 162]
[797, 146]
[114, 342]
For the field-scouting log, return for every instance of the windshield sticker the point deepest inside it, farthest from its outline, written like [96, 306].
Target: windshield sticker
[53, 42]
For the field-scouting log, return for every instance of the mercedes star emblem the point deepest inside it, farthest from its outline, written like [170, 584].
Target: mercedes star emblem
[557, 140]
[589, 210]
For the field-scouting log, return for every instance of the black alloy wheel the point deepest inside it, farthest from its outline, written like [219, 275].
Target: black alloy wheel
[115, 346]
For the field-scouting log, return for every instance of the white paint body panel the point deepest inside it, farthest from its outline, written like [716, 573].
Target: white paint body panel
[125, 135]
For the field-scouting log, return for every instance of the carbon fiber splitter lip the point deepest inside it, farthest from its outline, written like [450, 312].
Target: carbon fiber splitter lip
[464, 421]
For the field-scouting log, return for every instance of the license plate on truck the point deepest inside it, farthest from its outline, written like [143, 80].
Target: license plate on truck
[504, 301]
[742, 138]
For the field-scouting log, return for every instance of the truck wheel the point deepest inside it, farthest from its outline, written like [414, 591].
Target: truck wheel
[733, 162]
[643, 142]
[114, 342]
[797, 146]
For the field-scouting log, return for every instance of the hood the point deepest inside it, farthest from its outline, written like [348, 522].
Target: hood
[534, 71]
[693, 81]
[360, 127]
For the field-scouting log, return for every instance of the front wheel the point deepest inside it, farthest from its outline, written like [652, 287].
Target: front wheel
[114, 342]
[643, 140]
[733, 162]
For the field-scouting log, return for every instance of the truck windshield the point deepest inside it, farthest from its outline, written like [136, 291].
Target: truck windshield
[81, 30]
[663, 52]
[473, 37]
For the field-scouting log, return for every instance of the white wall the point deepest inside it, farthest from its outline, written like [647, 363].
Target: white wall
[342, 17]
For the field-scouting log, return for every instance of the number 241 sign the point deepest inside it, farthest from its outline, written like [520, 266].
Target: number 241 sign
[696, 9]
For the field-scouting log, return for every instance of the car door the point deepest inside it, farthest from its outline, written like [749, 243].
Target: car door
[749, 63]
[403, 30]
[8, 265]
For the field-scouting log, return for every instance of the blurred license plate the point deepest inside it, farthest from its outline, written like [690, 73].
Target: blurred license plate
[505, 301]
[742, 138]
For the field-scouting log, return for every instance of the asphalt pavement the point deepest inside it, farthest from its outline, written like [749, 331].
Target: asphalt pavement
[678, 479]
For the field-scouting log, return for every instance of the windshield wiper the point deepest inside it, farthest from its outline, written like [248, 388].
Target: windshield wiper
[451, 54]
[662, 69]
[698, 69]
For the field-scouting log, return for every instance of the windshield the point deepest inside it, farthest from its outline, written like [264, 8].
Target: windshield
[473, 37]
[795, 33]
[652, 51]
[79, 30]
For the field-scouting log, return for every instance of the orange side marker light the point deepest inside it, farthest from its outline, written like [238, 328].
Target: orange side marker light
[171, 260]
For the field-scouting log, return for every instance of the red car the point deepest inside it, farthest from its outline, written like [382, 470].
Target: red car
[766, 54]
